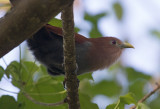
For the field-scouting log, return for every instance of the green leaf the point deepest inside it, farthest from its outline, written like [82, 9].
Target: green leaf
[85, 102]
[8, 102]
[50, 89]
[154, 104]
[36, 82]
[127, 99]
[137, 81]
[143, 106]
[93, 19]
[2, 72]
[40, 73]
[118, 10]
[13, 69]
[55, 22]
[123, 100]
[28, 104]
[156, 33]
[133, 75]
[76, 29]
[46, 90]
[111, 106]
[94, 33]
[137, 87]
[28, 69]
[108, 88]
[22, 73]
[58, 23]
[85, 76]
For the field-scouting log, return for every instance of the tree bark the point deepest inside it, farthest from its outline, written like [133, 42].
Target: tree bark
[25, 19]
[70, 58]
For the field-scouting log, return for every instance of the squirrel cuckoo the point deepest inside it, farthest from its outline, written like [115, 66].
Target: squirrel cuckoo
[91, 53]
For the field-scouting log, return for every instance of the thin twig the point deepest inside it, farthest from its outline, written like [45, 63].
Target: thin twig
[147, 96]
[4, 61]
[42, 103]
[44, 94]
[8, 91]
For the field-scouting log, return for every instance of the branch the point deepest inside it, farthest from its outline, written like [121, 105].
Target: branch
[70, 58]
[25, 19]
[147, 96]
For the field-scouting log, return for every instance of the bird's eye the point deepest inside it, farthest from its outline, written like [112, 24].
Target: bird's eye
[114, 42]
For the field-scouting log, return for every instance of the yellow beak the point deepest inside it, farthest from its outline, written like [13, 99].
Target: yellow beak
[126, 45]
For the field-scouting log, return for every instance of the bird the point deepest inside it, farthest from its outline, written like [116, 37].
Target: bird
[91, 53]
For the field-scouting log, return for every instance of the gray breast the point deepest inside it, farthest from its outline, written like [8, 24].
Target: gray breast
[82, 56]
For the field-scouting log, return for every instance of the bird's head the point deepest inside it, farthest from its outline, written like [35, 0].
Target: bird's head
[109, 45]
[104, 51]
[116, 43]
[114, 47]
